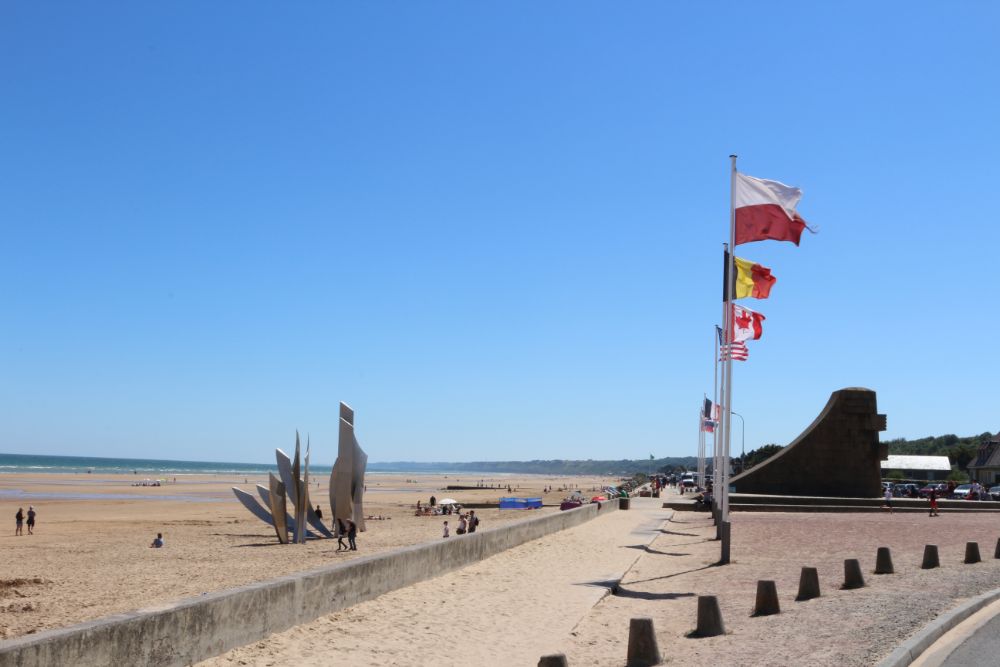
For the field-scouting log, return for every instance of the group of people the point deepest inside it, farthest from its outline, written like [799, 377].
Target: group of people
[433, 509]
[349, 529]
[467, 523]
[19, 518]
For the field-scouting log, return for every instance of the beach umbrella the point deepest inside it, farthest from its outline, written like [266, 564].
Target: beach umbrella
[447, 501]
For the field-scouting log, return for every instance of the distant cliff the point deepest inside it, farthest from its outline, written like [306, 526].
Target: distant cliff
[553, 467]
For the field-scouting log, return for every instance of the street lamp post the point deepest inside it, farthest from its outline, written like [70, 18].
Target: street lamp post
[743, 449]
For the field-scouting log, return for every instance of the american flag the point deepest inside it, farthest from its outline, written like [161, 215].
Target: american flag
[734, 351]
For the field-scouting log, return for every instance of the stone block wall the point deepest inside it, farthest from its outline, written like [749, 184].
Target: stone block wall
[839, 455]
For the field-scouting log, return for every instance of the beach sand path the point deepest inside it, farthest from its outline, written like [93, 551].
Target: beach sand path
[508, 609]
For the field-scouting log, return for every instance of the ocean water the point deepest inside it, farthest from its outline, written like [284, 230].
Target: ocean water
[36, 463]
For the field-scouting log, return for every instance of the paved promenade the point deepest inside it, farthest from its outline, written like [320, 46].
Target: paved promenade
[552, 594]
[530, 598]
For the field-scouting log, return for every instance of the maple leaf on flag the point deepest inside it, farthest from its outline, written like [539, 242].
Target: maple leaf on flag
[746, 324]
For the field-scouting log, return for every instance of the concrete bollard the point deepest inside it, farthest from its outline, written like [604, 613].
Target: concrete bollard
[972, 552]
[709, 617]
[883, 561]
[931, 559]
[553, 660]
[642, 648]
[996, 552]
[852, 574]
[767, 599]
[808, 584]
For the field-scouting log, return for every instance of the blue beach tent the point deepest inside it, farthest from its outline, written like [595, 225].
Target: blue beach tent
[520, 503]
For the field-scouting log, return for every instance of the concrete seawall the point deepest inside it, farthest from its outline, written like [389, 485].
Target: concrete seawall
[185, 632]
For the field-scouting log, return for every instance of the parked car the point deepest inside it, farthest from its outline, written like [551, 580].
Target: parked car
[962, 492]
[942, 490]
[995, 493]
[905, 490]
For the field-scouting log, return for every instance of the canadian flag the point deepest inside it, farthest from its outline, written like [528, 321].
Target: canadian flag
[746, 324]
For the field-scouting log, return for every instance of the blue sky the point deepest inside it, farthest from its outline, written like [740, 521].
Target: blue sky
[494, 230]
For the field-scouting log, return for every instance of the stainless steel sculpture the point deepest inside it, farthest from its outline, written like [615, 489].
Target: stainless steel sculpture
[277, 504]
[347, 481]
[287, 473]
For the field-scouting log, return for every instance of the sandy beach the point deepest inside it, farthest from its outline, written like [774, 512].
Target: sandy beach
[572, 591]
[90, 555]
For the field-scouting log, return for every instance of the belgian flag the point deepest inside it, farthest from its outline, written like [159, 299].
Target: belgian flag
[750, 279]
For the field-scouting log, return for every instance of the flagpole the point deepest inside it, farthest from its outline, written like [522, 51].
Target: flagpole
[719, 437]
[717, 345]
[702, 467]
[728, 371]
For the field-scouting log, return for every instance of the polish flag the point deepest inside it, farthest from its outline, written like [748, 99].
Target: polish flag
[746, 324]
[766, 210]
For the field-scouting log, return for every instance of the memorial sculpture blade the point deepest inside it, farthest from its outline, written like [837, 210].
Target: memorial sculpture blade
[259, 511]
[347, 480]
[304, 502]
[265, 496]
[255, 508]
[296, 492]
[285, 470]
[278, 513]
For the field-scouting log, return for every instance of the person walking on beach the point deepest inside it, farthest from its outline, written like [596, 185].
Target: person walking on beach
[352, 532]
[341, 532]
[445, 529]
[319, 512]
[932, 496]
[473, 521]
[31, 519]
[461, 525]
[19, 517]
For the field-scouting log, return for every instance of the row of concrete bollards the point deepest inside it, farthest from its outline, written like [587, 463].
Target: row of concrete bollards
[644, 652]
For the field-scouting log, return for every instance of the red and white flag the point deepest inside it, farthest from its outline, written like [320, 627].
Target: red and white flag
[746, 324]
[736, 352]
[766, 210]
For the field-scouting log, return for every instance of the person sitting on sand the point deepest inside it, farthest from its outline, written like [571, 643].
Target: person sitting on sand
[461, 525]
[158, 542]
[445, 529]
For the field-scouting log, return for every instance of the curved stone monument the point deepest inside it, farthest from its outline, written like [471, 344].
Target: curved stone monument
[839, 454]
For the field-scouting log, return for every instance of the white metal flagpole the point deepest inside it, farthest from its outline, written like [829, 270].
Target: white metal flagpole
[701, 444]
[715, 402]
[718, 437]
[727, 373]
